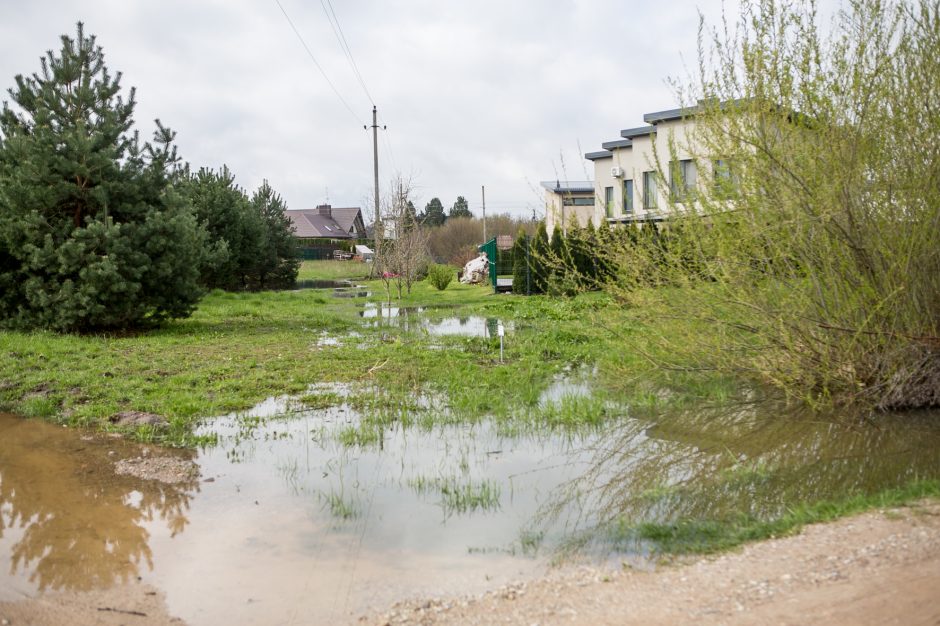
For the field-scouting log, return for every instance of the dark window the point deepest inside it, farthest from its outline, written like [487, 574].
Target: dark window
[682, 179]
[649, 191]
[628, 197]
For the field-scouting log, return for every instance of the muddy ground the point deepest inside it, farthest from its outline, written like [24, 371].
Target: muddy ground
[878, 568]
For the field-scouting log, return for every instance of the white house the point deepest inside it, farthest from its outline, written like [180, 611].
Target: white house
[568, 202]
[626, 184]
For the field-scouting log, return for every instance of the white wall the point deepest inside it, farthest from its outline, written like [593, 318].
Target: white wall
[641, 157]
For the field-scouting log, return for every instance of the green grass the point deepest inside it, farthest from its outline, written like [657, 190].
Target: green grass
[238, 349]
[333, 270]
[320, 400]
[340, 507]
[705, 536]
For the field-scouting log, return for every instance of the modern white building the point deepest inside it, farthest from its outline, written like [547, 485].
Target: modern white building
[627, 186]
[568, 202]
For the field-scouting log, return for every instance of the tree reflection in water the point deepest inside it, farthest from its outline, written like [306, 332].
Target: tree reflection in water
[73, 522]
[753, 459]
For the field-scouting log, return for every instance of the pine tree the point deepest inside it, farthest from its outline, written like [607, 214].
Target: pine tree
[520, 264]
[433, 213]
[235, 231]
[92, 234]
[589, 253]
[460, 208]
[278, 261]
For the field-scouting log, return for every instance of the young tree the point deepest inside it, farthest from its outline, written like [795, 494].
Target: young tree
[404, 259]
[538, 260]
[235, 230]
[92, 233]
[460, 208]
[278, 261]
[824, 279]
[521, 277]
[411, 214]
[433, 213]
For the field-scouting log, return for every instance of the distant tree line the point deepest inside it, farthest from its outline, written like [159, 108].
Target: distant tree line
[434, 215]
[100, 231]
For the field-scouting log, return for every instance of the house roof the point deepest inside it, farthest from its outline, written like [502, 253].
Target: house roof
[334, 223]
[640, 131]
[617, 143]
[346, 217]
[670, 114]
[602, 154]
[569, 186]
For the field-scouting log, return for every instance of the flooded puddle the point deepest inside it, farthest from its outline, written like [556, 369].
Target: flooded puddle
[301, 514]
[414, 319]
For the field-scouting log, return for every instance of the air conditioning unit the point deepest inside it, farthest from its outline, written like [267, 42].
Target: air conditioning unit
[616, 172]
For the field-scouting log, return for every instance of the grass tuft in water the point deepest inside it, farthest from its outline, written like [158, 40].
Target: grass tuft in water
[340, 507]
[321, 400]
[457, 496]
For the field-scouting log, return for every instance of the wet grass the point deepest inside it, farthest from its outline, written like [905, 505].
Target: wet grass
[706, 536]
[238, 349]
[459, 496]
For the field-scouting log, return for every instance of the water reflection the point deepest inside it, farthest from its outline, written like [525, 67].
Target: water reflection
[753, 459]
[414, 319]
[346, 498]
[67, 521]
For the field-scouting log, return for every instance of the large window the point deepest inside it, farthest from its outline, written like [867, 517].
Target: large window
[609, 201]
[628, 197]
[649, 191]
[682, 179]
[580, 201]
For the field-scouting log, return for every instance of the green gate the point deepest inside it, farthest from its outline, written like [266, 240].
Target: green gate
[500, 265]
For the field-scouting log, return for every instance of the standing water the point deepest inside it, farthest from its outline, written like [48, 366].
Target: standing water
[310, 516]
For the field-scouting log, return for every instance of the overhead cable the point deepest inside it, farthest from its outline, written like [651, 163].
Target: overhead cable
[344, 45]
[315, 62]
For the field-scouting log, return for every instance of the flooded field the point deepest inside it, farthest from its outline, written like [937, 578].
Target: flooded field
[315, 508]
[305, 512]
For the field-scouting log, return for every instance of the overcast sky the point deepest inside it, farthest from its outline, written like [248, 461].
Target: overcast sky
[484, 92]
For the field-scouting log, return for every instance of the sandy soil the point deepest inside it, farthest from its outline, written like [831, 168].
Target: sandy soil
[125, 604]
[879, 568]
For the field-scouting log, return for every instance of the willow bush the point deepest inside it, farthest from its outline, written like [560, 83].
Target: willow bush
[811, 251]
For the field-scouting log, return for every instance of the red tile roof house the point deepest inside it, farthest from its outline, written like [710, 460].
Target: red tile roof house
[324, 229]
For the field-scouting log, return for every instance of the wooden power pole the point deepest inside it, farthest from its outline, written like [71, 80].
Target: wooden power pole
[483, 191]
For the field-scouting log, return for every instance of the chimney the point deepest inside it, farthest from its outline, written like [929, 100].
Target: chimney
[324, 209]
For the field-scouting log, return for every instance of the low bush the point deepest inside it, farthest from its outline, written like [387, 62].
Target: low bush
[440, 276]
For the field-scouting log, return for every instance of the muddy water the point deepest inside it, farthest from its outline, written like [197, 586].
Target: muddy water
[288, 524]
[68, 520]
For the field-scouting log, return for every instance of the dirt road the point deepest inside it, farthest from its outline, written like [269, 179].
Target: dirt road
[879, 568]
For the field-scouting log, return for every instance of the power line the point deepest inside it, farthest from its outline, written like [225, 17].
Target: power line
[341, 38]
[315, 62]
[388, 146]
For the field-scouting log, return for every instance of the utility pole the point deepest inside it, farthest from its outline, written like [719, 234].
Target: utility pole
[379, 231]
[483, 191]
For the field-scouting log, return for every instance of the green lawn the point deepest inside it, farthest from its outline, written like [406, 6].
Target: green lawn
[238, 349]
[333, 270]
